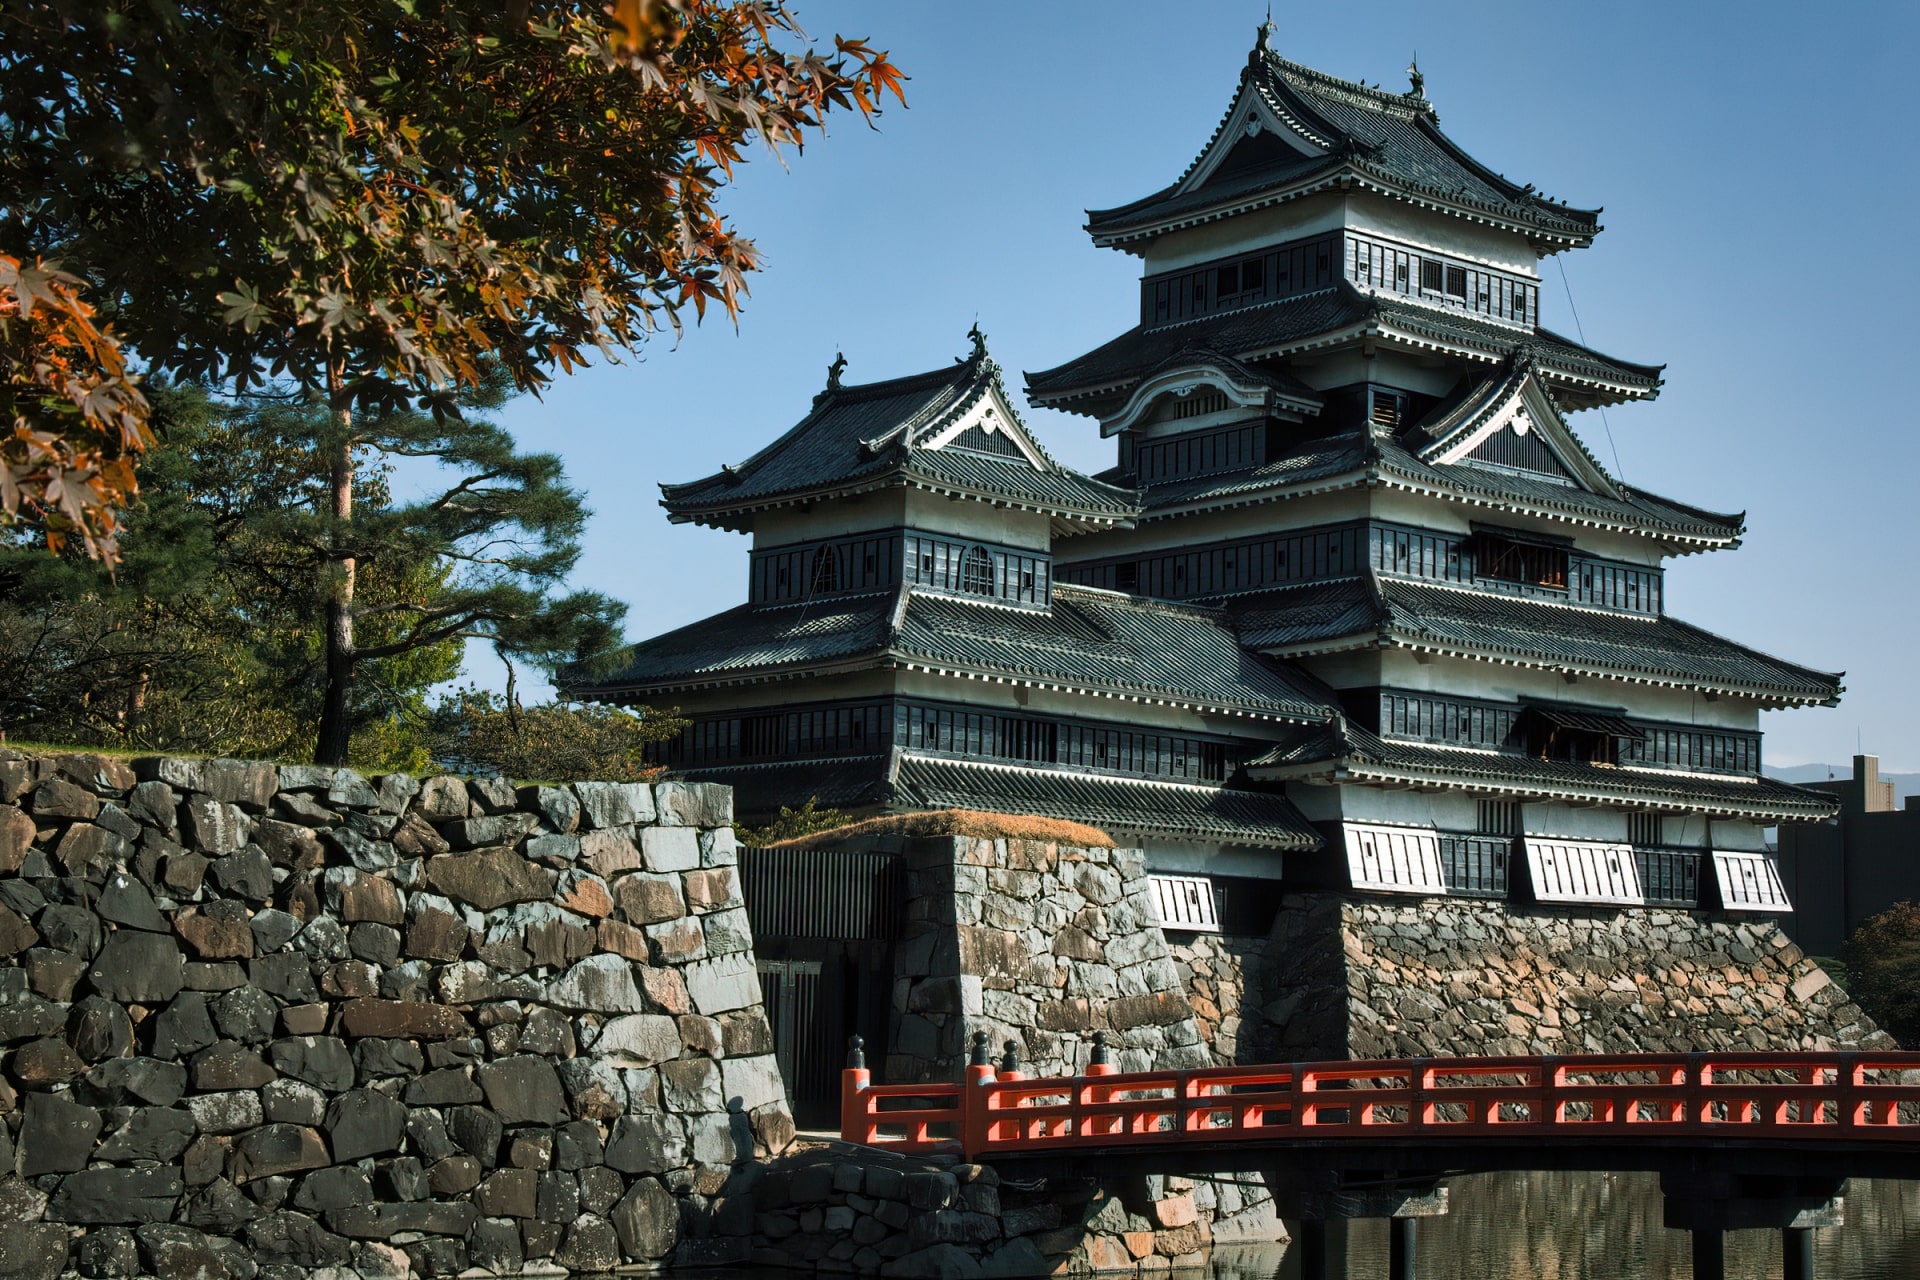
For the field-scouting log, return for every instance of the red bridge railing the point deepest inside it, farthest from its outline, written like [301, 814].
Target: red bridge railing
[1849, 1097]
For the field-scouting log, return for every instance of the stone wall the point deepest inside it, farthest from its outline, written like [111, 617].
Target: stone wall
[260, 1021]
[840, 1208]
[1361, 978]
[1041, 944]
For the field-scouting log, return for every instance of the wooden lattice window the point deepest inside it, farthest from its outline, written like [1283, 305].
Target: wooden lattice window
[1645, 829]
[826, 572]
[1523, 562]
[1498, 818]
[976, 572]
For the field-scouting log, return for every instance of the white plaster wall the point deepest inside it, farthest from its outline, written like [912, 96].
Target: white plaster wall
[1176, 857]
[1260, 229]
[1574, 822]
[1738, 837]
[1455, 236]
[1330, 211]
[788, 525]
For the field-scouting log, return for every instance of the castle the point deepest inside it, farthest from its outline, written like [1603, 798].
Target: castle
[1355, 609]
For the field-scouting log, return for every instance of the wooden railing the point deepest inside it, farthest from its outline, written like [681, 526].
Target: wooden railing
[1844, 1097]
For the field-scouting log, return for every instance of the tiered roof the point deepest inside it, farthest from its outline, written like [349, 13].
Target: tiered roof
[1100, 643]
[1338, 315]
[1370, 609]
[1293, 131]
[1343, 752]
[908, 780]
[951, 431]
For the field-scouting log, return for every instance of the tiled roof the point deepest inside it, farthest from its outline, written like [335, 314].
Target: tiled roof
[1117, 805]
[1338, 312]
[1317, 462]
[1388, 140]
[1359, 755]
[1097, 641]
[1126, 805]
[878, 435]
[1360, 611]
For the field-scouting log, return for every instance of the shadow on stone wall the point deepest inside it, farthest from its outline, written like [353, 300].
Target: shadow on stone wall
[259, 1021]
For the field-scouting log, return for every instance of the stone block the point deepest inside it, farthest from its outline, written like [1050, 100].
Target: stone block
[614, 804]
[135, 967]
[277, 1149]
[99, 1196]
[491, 879]
[722, 984]
[364, 1122]
[402, 1018]
[600, 984]
[523, 1090]
[643, 898]
[640, 1040]
[354, 895]
[647, 1144]
[670, 849]
[610, 851]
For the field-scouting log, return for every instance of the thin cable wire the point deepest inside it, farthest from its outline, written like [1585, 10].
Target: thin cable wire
[1580, 329]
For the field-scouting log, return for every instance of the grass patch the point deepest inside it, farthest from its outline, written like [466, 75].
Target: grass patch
[960, 822]
[71, 749]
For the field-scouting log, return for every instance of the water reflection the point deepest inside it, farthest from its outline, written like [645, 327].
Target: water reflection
[1574, 1226]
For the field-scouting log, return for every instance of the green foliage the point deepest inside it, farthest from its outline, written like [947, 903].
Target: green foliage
[479, 732]
[211, 637]
[791, 824]
[1882, 961]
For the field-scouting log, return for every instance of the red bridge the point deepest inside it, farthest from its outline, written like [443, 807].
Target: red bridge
[1739, 1139]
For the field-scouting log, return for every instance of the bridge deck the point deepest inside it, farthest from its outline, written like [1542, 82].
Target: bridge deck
[1852, 1114]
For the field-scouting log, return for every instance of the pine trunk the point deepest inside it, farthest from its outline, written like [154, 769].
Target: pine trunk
[335, 738]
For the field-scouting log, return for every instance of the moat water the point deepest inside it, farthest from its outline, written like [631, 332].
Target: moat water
[1567, 1226]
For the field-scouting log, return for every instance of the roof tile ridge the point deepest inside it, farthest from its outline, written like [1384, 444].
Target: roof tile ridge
[1144, 604]
[1405, 105]
[1500, 597]
[1821, 676]
[731, 473]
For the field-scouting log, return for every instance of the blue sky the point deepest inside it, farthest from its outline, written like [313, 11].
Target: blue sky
[1760, 184]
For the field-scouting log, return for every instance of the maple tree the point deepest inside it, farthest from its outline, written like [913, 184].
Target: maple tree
[377, 200]
[71, 419]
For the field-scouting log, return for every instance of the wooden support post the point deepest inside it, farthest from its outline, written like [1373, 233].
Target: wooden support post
[1709, 1254]
[1313, 1249]
[1400, 1247]
[1796, 1253]
[855, 1125]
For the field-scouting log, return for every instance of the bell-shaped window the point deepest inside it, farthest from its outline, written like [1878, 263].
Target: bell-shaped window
[976, 572]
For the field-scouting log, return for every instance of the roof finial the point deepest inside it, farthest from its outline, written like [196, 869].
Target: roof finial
[1263, 36]
[979, 341]
[835, 369]
[1418, 81]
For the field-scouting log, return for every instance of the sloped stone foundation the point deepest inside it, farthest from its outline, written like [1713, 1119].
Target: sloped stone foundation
[1364, 978]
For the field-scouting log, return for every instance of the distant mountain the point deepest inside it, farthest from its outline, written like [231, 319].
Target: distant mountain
[1904, 784]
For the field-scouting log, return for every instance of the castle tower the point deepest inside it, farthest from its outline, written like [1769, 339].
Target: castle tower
[1348, 429]
[1355, 609]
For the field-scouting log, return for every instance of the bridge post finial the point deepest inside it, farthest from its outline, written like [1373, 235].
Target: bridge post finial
[981, 1056]
[1011, 1061]
[1099, 1056]
[856, 1053]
